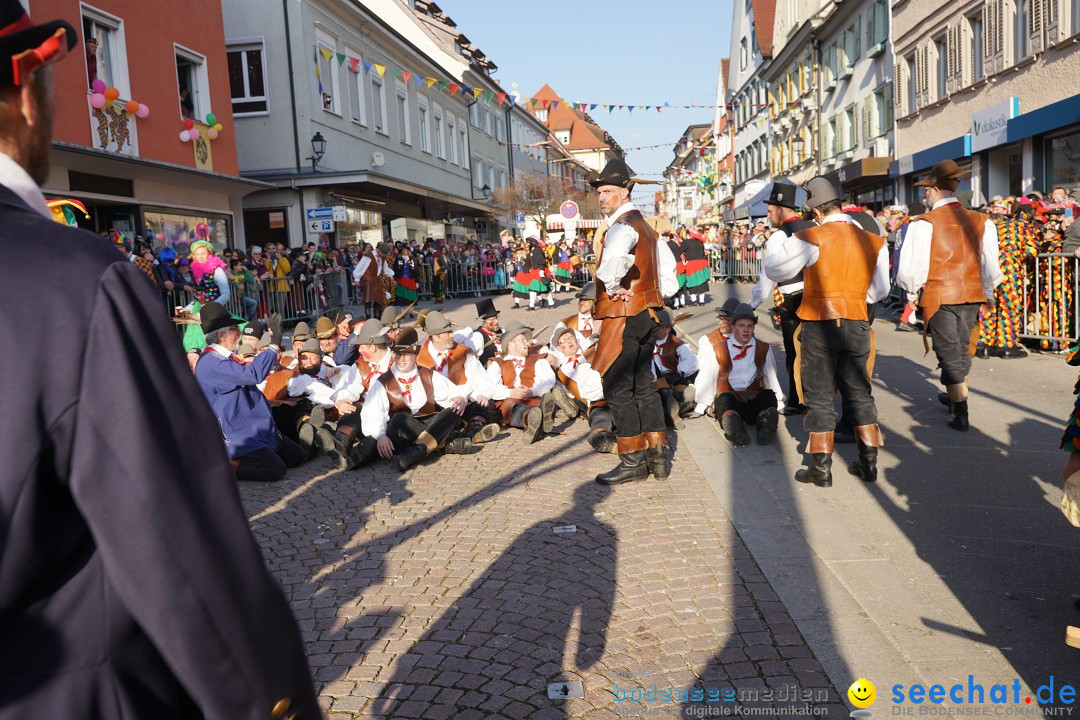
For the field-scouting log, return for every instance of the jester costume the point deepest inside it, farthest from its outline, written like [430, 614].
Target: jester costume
[696, 267]
[999, 330]
[520, 286]
[1055, 290]
[564, 269]
[405, 278]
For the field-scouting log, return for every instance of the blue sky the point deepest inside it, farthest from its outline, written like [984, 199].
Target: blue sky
[636, 52]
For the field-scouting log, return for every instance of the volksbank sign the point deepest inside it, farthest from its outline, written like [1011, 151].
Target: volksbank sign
[989, 127]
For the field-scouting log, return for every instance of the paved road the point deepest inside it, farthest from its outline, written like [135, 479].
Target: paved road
[446, 592]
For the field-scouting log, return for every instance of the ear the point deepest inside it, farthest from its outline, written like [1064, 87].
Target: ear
[29, 108]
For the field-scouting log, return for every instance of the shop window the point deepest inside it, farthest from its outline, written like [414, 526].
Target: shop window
[1063, 160]
[193, 84]
[247, 78]
[106, 57]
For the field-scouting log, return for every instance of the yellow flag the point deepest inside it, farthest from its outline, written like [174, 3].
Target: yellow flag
[380, 69]
[430, 82]
[476, 93]
[326, 53]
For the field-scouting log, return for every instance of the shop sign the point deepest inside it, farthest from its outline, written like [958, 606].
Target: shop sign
[989, 127]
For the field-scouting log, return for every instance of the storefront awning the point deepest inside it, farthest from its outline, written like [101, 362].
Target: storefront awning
[556, 223]
[864, 172]
[1046, 119]
[755, 206]
[950, 150]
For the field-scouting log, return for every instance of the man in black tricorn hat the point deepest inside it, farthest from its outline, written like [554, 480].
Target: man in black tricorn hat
[486, 339]
[951, 255]
[844, 269]
[130, 584]
[784, 215]
[628, 294]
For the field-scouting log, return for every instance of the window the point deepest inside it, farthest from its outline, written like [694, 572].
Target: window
[880, 109]
[1020, 27]
[247, 78]
[877, 27]
[1075, 17]
[357, 103]
[463, 142]
[404, 126]
[488, 129]
[193, 84]
[502, 177]
[478, 171]
[451, 130]
[500, 129]
[851, 128]
[829, 69]
[942, 66]
[329, 79]
[912, 90]
[852, 44]
[830, 138]
[106, 57]
[474, 115]
[744, 54]
[378, 104]
[422, 120]
[542, 115]
[563, 136]
[491, 174]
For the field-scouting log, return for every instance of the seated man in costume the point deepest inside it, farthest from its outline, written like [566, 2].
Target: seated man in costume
[583, 324]
[523, 384]
[674, 368]
[740, 373]
[345, 442]
[401, 409]
[257, 450]
[458, 362]
[485, 340]
[585, 387]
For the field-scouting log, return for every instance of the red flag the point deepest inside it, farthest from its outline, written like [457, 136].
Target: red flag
[405, 76]
[501, 97]
[454, 88]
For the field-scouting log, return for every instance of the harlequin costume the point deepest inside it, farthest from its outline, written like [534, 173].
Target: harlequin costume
[1056, 291]
[999, 329]
[564, 269]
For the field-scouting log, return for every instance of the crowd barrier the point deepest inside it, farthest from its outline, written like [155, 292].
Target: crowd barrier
[736, 264]
[1050, 300]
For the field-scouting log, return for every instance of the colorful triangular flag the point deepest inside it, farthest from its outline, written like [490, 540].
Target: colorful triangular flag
[367, 66]
[501, 97]
[326, 53]
[340, 59]
[354, 64]
[393, 73]
[454, 88]
[381, 69]
[554, 104]
[476, 92]
[405, 76]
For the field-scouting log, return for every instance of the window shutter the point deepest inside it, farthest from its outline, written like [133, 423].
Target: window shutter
[1053, 25]
[1037, 26]
[897, 82]
[950, 61]
[999, 35]
[890, 100]
[870, 28]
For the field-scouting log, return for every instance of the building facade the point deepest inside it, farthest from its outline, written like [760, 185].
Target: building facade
[575, 130]
[121, 106]
[686, 196]
[989, 84]
[751, 51]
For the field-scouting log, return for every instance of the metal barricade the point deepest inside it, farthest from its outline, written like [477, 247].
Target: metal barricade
[1051, 304]
[736, 264]
[302, 297]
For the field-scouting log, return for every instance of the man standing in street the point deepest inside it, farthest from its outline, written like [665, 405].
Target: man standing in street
[628, 293]
[130, 583]
[844, 269]
[951, 255]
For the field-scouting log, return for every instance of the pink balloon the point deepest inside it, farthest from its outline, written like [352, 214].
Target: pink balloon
[143, 111]
[195, 134]
[98, 85]
[97, 100]
[212, 134]
[185, 135]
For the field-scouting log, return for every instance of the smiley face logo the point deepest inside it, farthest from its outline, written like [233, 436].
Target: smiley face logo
[862, 693]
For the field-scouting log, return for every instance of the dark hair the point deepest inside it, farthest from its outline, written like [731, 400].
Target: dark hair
[830, 206]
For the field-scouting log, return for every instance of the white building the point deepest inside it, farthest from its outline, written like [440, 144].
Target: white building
[751, 50]
[683, 194]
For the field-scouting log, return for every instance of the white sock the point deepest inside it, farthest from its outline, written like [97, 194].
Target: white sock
[532, 299]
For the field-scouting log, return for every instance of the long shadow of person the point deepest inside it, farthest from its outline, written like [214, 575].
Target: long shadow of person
[504, 639]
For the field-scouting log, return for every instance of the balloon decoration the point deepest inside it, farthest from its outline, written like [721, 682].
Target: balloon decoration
[112, 116]
[190, 132]
[202, 231]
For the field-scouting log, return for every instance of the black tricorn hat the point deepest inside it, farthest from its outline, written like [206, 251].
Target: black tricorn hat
[25, 47]
[782, 195]
[486, 309]
[213, 316]
[617, 173]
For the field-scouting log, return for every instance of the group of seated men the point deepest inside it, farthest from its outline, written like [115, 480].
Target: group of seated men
[362, 390]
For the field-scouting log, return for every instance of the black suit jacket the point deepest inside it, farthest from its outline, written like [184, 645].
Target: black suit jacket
[130, 583]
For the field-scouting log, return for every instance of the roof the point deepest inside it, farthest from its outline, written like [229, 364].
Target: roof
[725, 66]
[585, 134]
[764, 16]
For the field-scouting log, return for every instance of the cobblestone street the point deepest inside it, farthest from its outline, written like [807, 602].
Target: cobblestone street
[458, 589]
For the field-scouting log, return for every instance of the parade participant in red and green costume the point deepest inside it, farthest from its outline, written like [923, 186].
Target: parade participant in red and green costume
[999, 326]
[675, 245]
[539, 281]
[405, 278]
[520, 287]
[696, 267]
[564, 269]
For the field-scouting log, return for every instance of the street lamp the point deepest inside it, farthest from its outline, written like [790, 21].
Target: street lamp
[318, 148]
[485, 191]
[797, 145]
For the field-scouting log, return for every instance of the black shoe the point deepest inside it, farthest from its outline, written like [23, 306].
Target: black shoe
[799, 409]
[318, 416]
[486, 433]
[943, 398]
[960, 416]
[602, 441]
[534, 425]
[365, 451]
[995, 352]
[334, 447]
[565, 402]
[306, 440]
[819, 472]
[735, 430]
[410, 456]
[906, 327]
[459, 446]
[982, 352]
[547, 411]
[656, 460]
[689, 401]
[766, 426]
[673, 413]
[866, 468]
[632, 466]
[1015, 352]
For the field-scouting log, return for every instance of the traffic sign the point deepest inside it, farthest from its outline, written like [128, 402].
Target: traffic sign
[569, 209]
[316, 227]
[323, 213]
[339, 213]
[519, 216]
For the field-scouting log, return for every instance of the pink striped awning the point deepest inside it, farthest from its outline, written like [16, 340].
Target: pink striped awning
[581, 224]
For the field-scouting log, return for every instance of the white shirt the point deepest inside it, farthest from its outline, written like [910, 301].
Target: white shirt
[543, 378]
[796, 254]
[376, 410]
[743, 372]
[324, 388]
[18, 181]
[587, 327]
[590, 386]
[685, 361]
[353, 388]
[616, 260]
[914, 264]
[477, 380]
[763, 288]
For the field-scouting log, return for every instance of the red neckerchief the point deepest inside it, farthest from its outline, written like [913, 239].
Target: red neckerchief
[406, 388]
[519, 363]
[743, 349]
[586, 329]
[441, 364]
[577, 360]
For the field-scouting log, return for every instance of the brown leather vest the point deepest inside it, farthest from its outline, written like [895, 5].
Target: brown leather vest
[455, 362]
[528, 373]
[955, 275]
[642, 279]
[835, 286]
[669, 356]
[397, 400]
[723, 358]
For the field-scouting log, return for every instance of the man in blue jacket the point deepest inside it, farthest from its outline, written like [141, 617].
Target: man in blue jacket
[258, 451]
